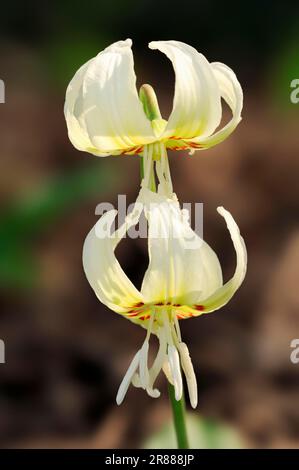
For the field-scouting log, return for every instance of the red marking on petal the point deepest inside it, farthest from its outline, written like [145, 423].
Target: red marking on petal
[144, 317]
[200, 308]
[194, 145]
[139, 304]
[159, 303]
[133, 314]
[132, 150]
[177, 305]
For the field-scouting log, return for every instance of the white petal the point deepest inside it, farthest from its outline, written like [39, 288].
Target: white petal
[232, 93]
[197, 105]
[102, 269]
[77, 134]
[181, 264]
[187, 367]
[123, 388]
[103, 112]
[226, 292]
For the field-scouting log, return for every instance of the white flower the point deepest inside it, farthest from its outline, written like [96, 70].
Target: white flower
[105, 116]
[183, 279]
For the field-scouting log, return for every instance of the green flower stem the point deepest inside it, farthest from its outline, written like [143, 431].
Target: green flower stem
[179, 418]
[141, 169]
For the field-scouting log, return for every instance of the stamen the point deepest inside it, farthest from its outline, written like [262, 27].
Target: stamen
[165, 168]
[177, 328]
[163, 172]
[143, 368]
[123, 388]
[188, 369]
[166, 326]
[167, 172]
[148, 164]
[174, 362]
[150, 324]
[143, 379]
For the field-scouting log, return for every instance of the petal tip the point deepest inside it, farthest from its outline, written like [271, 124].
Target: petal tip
[128, 42]
[116, 46]
[153, 44]
[221, 210]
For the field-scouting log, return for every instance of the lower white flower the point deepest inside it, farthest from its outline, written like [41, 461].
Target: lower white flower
[183, 279]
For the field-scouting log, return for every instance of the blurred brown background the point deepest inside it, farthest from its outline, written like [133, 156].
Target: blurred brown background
[65, 352]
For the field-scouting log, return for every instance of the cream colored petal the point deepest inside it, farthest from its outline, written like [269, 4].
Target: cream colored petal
[103, 112]
[77, 135]
[181, 264]
[223, 294]
[231, 92]
[196, 105]
[102, 269]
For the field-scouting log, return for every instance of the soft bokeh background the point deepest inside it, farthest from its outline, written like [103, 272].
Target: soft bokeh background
[65, 352]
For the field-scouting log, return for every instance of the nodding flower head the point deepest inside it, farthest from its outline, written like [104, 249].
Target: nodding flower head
[106, 116]
[183, 279]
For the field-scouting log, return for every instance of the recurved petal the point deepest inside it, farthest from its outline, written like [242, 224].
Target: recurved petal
[223, 294]
[103, 112]
[197, 104]
[77, 134]
[102, 269]
[181, 264]
[232, 93]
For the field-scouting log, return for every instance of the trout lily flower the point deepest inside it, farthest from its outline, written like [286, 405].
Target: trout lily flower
[183, 279]
[105, 116]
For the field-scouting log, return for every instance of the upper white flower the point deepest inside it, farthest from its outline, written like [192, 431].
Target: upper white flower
[105, 115]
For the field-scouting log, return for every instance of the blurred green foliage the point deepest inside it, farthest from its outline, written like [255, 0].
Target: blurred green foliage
[284, 69]
[203, 433]
[29, 217]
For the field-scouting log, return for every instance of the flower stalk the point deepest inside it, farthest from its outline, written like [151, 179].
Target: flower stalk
[179, 418]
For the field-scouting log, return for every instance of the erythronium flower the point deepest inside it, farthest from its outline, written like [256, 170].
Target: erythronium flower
[183, 279]
[105, 116]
